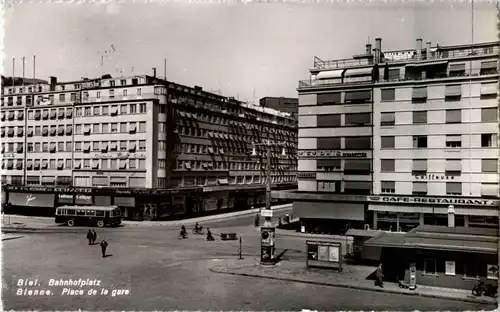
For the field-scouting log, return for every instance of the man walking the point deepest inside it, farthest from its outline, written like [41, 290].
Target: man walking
[90, 236]
[94, 237]
[104, 245]
[380, 276]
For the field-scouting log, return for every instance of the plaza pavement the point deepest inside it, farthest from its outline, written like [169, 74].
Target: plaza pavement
[162, 272]
[352, 276]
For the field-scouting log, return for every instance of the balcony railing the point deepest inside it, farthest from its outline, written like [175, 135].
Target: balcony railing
[121, 97]
[368, 80]
[407, 58]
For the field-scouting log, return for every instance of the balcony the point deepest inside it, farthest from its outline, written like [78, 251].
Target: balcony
[405, 58]
[119, 97]
[368, 80]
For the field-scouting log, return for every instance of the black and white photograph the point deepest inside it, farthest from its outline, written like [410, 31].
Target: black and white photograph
[250, 155]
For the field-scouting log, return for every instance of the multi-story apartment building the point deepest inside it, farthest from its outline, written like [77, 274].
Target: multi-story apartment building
[153, 147]
[394, 139]
[283, 104]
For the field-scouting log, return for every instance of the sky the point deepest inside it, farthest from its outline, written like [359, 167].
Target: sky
[244, 49]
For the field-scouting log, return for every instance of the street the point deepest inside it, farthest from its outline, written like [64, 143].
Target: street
[161, 272]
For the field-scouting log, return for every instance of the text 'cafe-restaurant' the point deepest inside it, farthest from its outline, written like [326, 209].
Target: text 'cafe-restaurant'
[406, 212]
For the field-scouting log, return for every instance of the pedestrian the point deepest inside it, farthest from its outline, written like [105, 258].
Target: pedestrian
[90, 236]
[104, 245]
[94, 237]
[379, 276]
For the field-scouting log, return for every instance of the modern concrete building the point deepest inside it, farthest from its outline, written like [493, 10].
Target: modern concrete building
[153, 147]
[394, 139]
[282, 104]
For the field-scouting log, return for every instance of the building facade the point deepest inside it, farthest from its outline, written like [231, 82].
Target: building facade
[283, 104]
[390, 140]
[150, 146]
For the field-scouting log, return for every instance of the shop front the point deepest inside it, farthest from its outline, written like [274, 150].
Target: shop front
[35, 204]
[441, 256]
[329, 217]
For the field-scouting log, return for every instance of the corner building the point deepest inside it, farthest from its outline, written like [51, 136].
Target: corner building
[393, 139]
[153, 147]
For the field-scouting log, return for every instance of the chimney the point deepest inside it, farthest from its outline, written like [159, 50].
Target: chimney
[451, 216]
[368, 49]
[154, 72]
[53, 82]
[419, 49]
[378, 49]
[428, 51]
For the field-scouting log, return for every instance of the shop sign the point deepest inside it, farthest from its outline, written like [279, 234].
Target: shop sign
[434, 177]
[434, 200]
[31, 200]
[332, 153]
[306, 175]
[120, 155]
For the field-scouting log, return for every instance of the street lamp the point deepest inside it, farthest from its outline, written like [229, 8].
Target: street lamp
[268, 231]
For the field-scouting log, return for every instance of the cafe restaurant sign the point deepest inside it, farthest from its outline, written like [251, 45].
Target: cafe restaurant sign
[120, 155]
[434, 200]
[332, 153]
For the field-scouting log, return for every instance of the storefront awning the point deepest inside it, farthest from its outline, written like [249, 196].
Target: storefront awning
[330, 74]
[431, 237]
[321, 210]
[430, 63]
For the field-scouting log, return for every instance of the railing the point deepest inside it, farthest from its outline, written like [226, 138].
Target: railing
[405, 58]
[121, 97]
[352, 81]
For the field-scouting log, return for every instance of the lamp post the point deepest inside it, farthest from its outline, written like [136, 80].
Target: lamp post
[267, 231]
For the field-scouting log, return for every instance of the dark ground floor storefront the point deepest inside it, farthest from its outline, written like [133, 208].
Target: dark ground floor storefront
[141, 204]
[453, 257]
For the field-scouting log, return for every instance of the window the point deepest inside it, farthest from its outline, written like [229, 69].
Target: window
[87, 111]
[105, 110]
[328, 164]
[142, 145]
[139, 91]
[142, 164]
[328, 143]
[329, 186]
[333, 120]
[419, 188]
[419, 167]
[430, 266]
[329, 98]
[358, 143]
[78, 146]
[357, 166]
[114, 127]
[457, 70]
[387, 142]
[95, 146]
[123, 108]
[419, 95]
[133, 108]
[489, 114]
[357, 187]
[489, 68]
[453, 140]
[488, 140]
[123, 127]
[98, 94]
[387, 165]
[105, 128]
[357, 97]
[489, 165]
[419, 141]
[388, 94]
[388, 187]
[453, 116]
[142, 126]
[95, 128]
[62, 97]
[68, 147]
[97, 110]
[360, 119]
[453, 188]
[453, 93]
[123, 145]
[60, 146]
[387, 119]
[419, 117]
[142, 108]
[394, 74]
[470, 269]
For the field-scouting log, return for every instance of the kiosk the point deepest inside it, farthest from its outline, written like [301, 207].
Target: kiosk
[324, 255]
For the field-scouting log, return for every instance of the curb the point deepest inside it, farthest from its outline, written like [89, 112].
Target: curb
[10, 238]
[469, 300]
[38, 230]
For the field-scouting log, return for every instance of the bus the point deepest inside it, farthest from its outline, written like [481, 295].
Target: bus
[89, 215]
